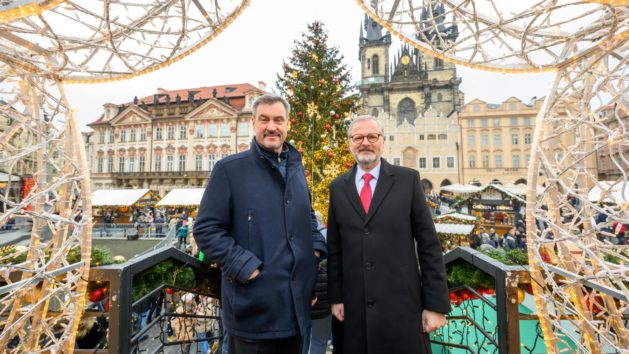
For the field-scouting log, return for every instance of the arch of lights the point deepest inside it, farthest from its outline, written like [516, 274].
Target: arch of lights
[580, 277]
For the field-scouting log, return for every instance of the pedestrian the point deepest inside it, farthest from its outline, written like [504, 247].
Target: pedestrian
[509, 242]
[182, 325]
[378, 219]
[494, 237]
[182, 237]
[260, 229]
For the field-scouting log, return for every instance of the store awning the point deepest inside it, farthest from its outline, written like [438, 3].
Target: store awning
[460, 188]
[454, 229]
[182, 197]
[457, 216]
[616, 192]
[4, 177]
[117, 197]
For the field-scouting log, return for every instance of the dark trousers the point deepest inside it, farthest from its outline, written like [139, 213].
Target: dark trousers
[291, 345]
[337, 336]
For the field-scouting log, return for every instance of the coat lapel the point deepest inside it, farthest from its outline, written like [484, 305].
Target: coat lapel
[383, 186]
[352, 193]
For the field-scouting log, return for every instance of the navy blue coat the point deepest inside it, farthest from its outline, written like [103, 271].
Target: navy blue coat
[251, 218]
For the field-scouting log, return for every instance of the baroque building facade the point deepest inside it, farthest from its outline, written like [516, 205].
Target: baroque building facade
[416, 97]
[172, 138]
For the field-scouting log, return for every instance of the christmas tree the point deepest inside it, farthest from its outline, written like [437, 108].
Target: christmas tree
[318, 87]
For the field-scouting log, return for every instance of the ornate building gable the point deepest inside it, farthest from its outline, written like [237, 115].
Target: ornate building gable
[407, 66]
[132, 115]
[212, 108]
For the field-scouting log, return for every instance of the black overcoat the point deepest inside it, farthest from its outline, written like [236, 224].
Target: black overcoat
[373, 267]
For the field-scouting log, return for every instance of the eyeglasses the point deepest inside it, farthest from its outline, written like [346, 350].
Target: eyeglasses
[372, 138]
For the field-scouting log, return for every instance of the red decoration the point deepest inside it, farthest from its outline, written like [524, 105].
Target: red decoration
[292, 120]
[328, 126]
[348, 165]
[489, 291]
[299, 114]
[95, 295]
[107, 304]
[452, 297]
[529, 288]
[337, 116]
[466, 295]
[330, 154]
[170, 291]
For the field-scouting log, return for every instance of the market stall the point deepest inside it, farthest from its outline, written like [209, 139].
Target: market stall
[496, 207]
[121, 202]
[182, 200]
[455, 230]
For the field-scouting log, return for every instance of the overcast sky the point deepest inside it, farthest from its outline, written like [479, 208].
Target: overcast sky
[254, 47]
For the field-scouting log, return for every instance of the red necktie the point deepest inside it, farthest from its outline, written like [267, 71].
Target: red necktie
[365, 193]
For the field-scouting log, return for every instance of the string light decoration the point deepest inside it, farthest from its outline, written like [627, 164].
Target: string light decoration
[502, 36]
[579, 271]
[42, 294]
[99, 41]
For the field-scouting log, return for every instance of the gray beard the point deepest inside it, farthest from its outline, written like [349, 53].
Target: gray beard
[366, 160]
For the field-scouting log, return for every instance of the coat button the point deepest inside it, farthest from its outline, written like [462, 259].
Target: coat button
[366, 232]
[287, 201]
[371, 303]
[368, 266]
[291, 238]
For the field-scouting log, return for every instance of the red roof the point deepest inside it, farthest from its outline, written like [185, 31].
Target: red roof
[235, 90]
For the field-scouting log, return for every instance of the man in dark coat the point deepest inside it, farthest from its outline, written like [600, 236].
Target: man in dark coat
[256, 222]
[377, 215]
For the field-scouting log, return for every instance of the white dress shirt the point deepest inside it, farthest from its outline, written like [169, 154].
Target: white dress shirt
[360, 181]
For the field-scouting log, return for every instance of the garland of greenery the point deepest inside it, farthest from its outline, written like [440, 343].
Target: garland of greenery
[463, 273]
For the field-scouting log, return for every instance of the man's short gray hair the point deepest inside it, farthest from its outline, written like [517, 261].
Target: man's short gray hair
[270, 99]
[363, 118]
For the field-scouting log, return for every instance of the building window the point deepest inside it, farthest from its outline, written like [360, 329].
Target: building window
[375, 65]
[224, 155]
[513, 106]
[514, 121]
[515, 159]
[132, 137]
[100, 165]
[212, 130]
[182, 163]
[527, 122]
[183, 132]
[141, 164]
[431, 136]
[497, 139]
[527, 138]
[111, 136]
[158, 163]
[422, 162]
[485, 161]
[498, 160]
[198, 162]
[439, 97]
[476, 108]
[484, 140]
[123, 135]
[142, 134]
[131, 163]
[211, 161]
[438, 63]
[514, 138]
[198, 131]
[391, 138]
[443, 137]
[470, 123]
[243, 129]
[396, 161]
[527, 159]
[483, 123]
[436, 162]
[472, 161]
[496, 122]
[169, 163]
[421, 137]
[224, 129]
[471, 140]
[101, 137]
[171, 133]
[158, 133]
[110, 164]
[121, 164]
[450, 162]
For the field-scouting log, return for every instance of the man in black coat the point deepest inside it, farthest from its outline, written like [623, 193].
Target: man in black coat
[377, 216]
[256, 222]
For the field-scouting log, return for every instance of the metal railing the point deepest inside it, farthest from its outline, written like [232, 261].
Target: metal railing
[130, 230]
[133, 326]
